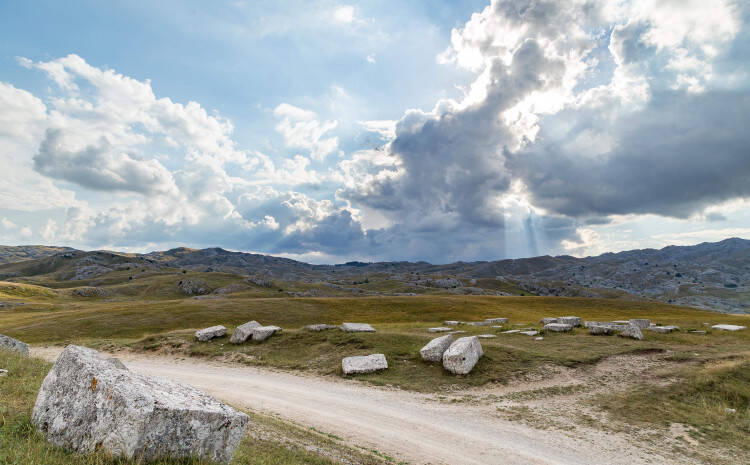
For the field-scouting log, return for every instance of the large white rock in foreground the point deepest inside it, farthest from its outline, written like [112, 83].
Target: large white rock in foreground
[243, 332]
[206, 334]
[87, 403]
[462, 355]
[364, 364]
[433, 351]
[357, 328]
[8, 343]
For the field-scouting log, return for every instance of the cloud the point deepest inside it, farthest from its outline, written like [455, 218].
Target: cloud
[301, 129]
[344, 14]
[370, 58]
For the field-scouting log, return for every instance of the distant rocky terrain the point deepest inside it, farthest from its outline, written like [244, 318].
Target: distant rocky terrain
[714, 276]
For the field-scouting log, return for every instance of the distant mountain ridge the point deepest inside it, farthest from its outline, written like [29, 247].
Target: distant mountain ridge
[713, 275]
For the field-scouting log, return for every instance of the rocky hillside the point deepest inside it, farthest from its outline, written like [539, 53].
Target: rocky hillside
[9, 254]
[715, 276]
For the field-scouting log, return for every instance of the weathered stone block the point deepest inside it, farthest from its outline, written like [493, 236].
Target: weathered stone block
[641, 323]
[548, 320]
[261, 333]
[501, 321]
[632, 331]
[320, 327]
[569, 320]
[440, 329]
[14, 345]
[357, 328]
[206, 334]
[243, 332]
[462, 355]
[728, 327]
[364, 364]
[86, 403]
[558, 327]
[433, 351]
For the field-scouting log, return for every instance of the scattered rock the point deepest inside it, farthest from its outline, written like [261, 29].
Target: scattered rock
[633, 332]
[731, 410]
[458, 332]
[622, 322]
[8, 343]
[357, 328]
[728, 327]
[529, 333]
[501, 321]
[451, 323]
[3, 372]
[641, 323]
[86, 403]
[229, 289]
[601, 330]
[546, 321]
[462, 355]
[486, 336]
[194, 287]
[90, 292]
[695, 331]
[569, 320]
[243, 332]
[261, 333]
[207, 334]
[320, 327]
[511, 331]
[259, 281]
[433, 351]
[364, 364]
[540, 338]
[117, 363]
[440, 329]
[663, 329]
[558, 327]
[478, 323]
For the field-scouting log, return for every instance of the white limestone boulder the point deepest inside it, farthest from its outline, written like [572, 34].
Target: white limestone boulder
[433, 351]
[511, 331]
[558, 327]
[439, 329]
[632, 331]
[569, 320]
[86, 403]
[451, 323]
[462, 355]
[728, 327]
[357, 328]
[243, 332]
[261, 333]
[206, 334]
[548, 320]
[14, 345]
[364, 364]
[320, 327]
[478, 323]
[601, 330]
[530, 332]
[641, 323]
[501, 321]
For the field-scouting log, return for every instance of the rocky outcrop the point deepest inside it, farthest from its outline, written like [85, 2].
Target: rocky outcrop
[207, 334]
[462, 355]
[357, 328]
[86, 403]
[601, 330]
[433, 351]
[194, 287]
[13, 345]
[243, 332]
[364, 364]
[89, 292]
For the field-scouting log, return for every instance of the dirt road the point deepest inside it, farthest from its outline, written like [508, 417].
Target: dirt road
[410, 427]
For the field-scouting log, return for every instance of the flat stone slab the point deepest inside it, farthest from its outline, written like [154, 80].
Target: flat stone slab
[632, 331]
[207, 334]
[462, 355]
[14, 345]
[364, 364]
[529, 333]
[695, 331]
[262, 333]
[663, 329]
[486, 336]
[478, 323]
[458, 332]
[86, 403]
[243, 332]
[357, 328]
[440, 329]
[641, 323]
[558, 327]
[320, 327]
[433, 351]
[622, 322]
[451, 323]
[548, 320]
[511, 331]
[728, 327]
[601, 330]
[569, 320]
[540, 338]
[496, 320]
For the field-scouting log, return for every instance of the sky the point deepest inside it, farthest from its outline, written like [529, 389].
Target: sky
[329, 131]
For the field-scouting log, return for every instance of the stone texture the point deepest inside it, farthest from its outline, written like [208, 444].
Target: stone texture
[451, 323]
[243, 332]
[641, 323]
[364, 364]
[117, 363]
[206, 334]
[540, 338]
[357, 328]
[478, 323]
[86, 403]
[728, 327]
[320, 327]
[433, 351]
[557, 327]
[501, 321]
[8, 343]
[601, 330]
[694, 331]
[462, 355]
[632, 331]
[261, 333]
[3, 372]
[529, 333]
[486, 336]
[511, 331]
[663, 329]
[440, 329]
[569, 320]
[546, 321]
